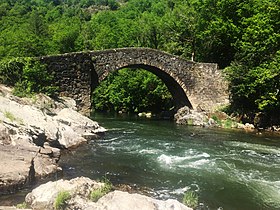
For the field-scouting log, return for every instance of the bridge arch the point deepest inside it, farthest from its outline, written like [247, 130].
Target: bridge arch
[178, 93]
[197, 85]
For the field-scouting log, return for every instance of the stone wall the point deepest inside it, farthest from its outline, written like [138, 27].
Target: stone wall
[197, 85]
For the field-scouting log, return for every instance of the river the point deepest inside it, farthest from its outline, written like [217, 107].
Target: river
[227, 169]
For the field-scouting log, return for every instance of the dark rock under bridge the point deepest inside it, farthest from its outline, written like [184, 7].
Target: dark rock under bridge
[197, 85]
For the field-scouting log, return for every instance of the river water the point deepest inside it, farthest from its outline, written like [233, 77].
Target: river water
[227, 169]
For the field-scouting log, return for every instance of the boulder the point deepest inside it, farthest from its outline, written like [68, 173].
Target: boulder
[22, 164]
[44, 197]
[16, 165]
[64, 128]
[119, 200]
[10, 208]
[249, 127]
[187, 116]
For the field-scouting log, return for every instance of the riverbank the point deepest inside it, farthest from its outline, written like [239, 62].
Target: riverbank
[218, 119]
[33, 131]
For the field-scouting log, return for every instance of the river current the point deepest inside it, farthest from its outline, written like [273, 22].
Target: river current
[227, 169]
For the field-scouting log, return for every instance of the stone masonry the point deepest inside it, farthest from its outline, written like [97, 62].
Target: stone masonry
[197, 85]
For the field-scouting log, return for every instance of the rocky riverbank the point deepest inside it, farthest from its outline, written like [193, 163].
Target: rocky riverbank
[187, 116]
[32, 133]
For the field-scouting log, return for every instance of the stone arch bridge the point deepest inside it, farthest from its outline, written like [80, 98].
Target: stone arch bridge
[197, 85]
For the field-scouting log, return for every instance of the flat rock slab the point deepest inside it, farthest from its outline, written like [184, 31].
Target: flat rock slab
[119, 200]
[16, 163]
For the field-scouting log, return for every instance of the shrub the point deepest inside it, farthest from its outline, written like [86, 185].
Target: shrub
[34, 79]
[61, 200]
[11, 70]
[27, 75]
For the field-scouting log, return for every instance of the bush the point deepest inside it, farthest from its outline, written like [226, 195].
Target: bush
[34, 79]
[11, 70]
[27, 75]
[61, 200]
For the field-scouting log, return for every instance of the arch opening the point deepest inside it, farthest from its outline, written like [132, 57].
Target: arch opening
[177, 92]
[179, 98]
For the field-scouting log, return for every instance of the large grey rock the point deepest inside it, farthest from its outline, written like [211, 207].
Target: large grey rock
[44, 196]
[187, 116]
[10, 208]
[21, 164]
[119, 200]
[16, 165]
[64, 127]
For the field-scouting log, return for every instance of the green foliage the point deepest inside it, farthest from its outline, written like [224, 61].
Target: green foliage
[34, 79]
[217, 120]
[190, 199]
[132, 90]
[61, 200]
[27, 75]
[257, 88]
[228, 123]
[11, 70]
[99, 192]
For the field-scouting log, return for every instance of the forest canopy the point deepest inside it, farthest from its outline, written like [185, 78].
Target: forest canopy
[241, 36]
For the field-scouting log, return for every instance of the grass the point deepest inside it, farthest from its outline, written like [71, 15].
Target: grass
[61, 200]
[224, 123]
[190, 121]
[190, 199]
[10, 116]
[98, 193]
[22, 206]
[228, 123]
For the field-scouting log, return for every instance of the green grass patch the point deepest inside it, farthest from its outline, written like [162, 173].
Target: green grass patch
[61, 200]
[217, 120]
[98, 193]
[190, 199]
[22, 205]
[228, 123]
[190, 121]
[10, 116]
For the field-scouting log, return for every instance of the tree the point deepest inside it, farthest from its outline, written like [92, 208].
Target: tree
[254, 75]
[65, 33]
